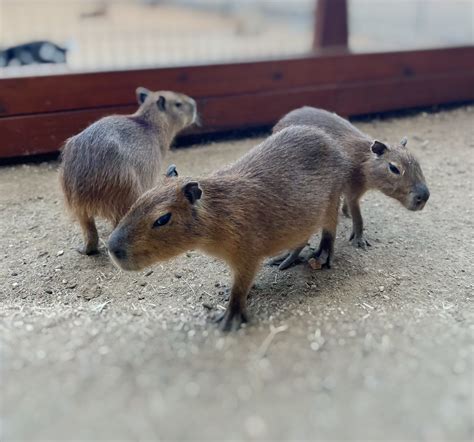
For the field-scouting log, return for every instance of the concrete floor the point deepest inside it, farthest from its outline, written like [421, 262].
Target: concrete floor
[379, 347]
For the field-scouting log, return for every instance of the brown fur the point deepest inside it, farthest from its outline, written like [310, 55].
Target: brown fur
[106, 167]
[370, 171]
[246, 211]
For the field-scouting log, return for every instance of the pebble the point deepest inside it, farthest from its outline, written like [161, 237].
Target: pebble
[178, 275]
[314, 264]
[60, 253]
[94, 293]
[143, 283]
[150, 272]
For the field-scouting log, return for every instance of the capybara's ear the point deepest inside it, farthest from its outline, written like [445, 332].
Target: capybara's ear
[378, 148]
[404, 141]
[142, 93]
[171, 171]
[161, 103]
[192, 191]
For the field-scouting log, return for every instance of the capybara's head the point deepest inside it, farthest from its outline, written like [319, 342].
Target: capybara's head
[162, 224]
[397, 173]
[177, 109]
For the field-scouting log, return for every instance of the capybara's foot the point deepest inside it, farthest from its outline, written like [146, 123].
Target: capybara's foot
[231, 320]
[359, 241]
[287, 260]
[88, 249]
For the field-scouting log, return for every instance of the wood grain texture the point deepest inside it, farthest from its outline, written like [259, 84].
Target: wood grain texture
[38, 114]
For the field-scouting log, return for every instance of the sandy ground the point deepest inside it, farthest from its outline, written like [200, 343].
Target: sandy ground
[378, 347]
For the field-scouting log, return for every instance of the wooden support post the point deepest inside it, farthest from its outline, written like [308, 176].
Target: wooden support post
[331, 29]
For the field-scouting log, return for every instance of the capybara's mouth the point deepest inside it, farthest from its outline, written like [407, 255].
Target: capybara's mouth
[196, 119]
[416, 206]
[124, 264]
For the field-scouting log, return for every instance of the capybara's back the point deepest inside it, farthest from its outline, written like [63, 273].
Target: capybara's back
[99, 179]
[331, 123]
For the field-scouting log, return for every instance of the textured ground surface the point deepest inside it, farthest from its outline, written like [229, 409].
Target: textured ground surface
[378, 347]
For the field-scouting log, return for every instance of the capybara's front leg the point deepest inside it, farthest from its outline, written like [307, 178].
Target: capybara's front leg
[91, 237]
[288, 259]
[236, 312]
[357, 236]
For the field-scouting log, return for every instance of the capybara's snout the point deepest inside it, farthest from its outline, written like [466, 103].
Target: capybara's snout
[117, 248]
[419, 196]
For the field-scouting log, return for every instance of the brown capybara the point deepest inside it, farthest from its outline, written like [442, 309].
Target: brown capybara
[106, 167]
[272, 199]
[395, 171]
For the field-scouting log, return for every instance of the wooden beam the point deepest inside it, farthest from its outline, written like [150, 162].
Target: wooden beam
[40, 113]
[44, 133]
[31, 95]
[331, 24]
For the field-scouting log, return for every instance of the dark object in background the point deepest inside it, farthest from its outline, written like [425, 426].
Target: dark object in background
[100, 11]
[35, 52]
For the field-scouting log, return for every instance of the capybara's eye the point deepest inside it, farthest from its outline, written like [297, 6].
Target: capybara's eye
[393, 169]
[178, 104]
[162, 220]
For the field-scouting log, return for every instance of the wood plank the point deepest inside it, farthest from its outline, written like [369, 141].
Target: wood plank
[44, 133]
[31, 95]
[330, 28]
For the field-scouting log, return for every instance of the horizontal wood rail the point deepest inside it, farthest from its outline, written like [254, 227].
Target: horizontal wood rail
[38, 113]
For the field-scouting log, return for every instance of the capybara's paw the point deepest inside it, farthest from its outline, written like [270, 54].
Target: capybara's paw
[285, 261]
[359, 242]
[88, 250]
[277, 260]
[231, 320]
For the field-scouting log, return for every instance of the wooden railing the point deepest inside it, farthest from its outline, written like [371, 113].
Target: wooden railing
[38, 113]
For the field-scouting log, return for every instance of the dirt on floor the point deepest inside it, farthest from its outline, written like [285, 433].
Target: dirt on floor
[378, 347]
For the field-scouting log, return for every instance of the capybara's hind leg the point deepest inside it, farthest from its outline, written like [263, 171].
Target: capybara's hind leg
[91, 237]
[288, 259]
[322, 257]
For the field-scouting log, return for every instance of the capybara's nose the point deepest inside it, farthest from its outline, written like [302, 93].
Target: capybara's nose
[119, 253]
[422, 194]
[115, 246]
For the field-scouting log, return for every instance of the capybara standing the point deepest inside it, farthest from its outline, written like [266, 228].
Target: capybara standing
[272, 199]
[106, 167]
[396, 172]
